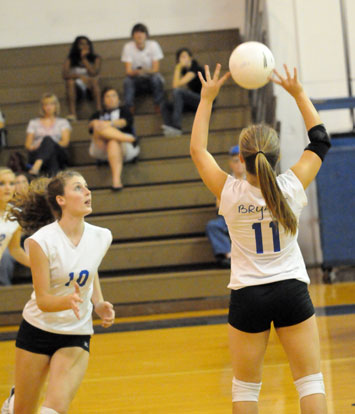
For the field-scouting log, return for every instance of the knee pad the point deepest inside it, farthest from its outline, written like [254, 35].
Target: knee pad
[245, 391]
[311, 384]
[46, 410]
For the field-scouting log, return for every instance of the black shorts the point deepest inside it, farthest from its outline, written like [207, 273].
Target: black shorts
[285, 303]
[36, 340]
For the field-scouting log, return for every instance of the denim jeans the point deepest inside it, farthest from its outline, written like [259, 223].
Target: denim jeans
[183, 100]
[7, 264]
[217, 232]
[134, 85]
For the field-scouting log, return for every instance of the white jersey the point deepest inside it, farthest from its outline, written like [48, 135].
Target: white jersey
[68, 264]
[7, 230]
[261, 250]
[142, 58]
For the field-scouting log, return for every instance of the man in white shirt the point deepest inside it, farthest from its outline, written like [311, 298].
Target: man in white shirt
[141, 57]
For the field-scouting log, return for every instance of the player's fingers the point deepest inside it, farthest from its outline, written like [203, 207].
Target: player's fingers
[287, 71]
[76, 311]
[201, 78]
[295, 76]
[207, 72]
[77, 288]
[224, 78]
[217, 71]
[278, 75]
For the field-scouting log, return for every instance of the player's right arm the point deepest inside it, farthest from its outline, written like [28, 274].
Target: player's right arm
[41, 283]
[310, 162]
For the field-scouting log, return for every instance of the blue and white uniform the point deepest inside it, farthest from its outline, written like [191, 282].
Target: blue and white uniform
[68, 264]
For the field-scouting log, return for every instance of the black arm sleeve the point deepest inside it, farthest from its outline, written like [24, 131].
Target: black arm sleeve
[320, 141]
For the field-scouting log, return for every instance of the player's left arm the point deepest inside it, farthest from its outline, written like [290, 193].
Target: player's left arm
[102, 308]
[16, 250]
[210, 172]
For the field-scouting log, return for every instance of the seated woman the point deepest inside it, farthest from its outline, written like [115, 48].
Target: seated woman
[80, 72]
[47, 138]
[113, 136]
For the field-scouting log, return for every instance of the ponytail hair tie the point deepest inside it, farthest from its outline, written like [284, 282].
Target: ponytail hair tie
[260, 152]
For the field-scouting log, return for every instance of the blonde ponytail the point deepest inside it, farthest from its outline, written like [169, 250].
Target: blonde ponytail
[260, 148]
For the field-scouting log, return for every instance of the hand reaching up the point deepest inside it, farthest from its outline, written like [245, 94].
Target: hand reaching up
[211, 86]
[289, 83]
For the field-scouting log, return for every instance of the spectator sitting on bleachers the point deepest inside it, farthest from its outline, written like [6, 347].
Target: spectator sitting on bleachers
[113, 135]
[80, 72]
[47, 138]
[10, 231]
[216, 229]
[141, 57]
[186, 92]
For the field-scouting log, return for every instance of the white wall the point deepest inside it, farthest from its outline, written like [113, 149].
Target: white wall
[29, 23]
[308, 34]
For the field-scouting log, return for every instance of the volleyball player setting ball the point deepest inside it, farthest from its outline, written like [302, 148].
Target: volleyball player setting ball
[54, 336]
[268, 275]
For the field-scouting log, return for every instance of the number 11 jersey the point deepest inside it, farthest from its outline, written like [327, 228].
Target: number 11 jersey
[262, 252]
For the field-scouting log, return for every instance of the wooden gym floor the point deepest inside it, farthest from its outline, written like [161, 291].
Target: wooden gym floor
[179, 363]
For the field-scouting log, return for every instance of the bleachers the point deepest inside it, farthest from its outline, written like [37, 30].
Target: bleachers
[158, 220]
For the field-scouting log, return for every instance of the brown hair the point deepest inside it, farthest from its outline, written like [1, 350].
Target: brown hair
[54, 98]
[39, 206]
[260, 148]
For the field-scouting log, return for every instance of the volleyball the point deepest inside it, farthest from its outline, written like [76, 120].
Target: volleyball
[250, 65]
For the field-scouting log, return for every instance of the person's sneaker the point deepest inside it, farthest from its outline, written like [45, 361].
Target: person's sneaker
[8, 406]
[170, 131]
[72, 118]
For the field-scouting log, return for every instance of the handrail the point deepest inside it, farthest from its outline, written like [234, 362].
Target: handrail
[262, 100]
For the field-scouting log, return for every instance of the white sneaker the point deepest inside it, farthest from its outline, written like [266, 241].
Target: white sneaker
[8, 406]
[170, 131]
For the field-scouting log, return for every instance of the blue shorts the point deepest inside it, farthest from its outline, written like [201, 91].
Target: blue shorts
[36, 340]
[285, 303]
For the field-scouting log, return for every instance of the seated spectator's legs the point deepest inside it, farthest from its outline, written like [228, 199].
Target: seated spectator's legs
[71, 95]
[157, 88]
[115, 159]
[183, 98]
[129, 90]
[217, 232]
[94, 86]
[49, 157]
[7, 264]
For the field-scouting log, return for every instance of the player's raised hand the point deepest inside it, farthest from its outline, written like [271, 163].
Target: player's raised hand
[106, 312]
[212, 85]
[290, 83]
[75, 300]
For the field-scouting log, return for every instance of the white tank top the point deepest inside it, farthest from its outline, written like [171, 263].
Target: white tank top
[7, 230]
[261, 250]
[69, 264]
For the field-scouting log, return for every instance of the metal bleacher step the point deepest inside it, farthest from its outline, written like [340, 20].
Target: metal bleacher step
[155, 224]
[162, 253]
[151, 148]
[15, 113]
[44, 55]
[148, 125]
[152, 198]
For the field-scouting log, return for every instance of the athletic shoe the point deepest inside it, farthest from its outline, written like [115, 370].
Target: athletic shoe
[170, 131]
[8, 406]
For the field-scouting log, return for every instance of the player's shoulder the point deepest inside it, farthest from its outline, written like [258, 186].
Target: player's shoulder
[47, 230]
[97, 231]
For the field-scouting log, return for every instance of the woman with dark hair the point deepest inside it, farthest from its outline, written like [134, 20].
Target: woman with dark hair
[65, 252]
[186, 92]
[80, 72]
[268, 275]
